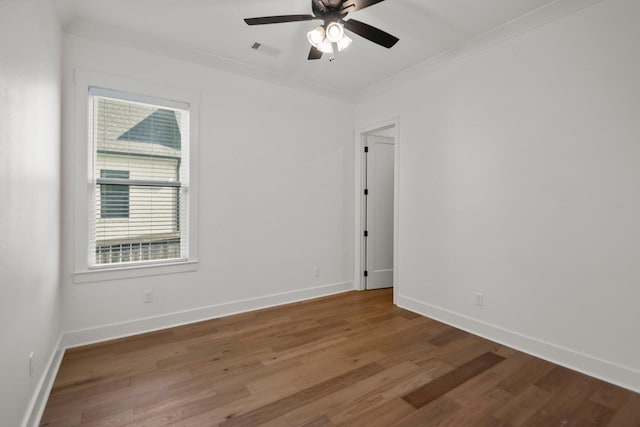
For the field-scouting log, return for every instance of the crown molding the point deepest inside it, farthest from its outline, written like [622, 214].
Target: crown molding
[524, 23]
[158, 46]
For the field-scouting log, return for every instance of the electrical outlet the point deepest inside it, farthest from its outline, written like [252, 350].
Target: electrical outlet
[316, 271]
[32, 364]
[479, 299]
[148, 296]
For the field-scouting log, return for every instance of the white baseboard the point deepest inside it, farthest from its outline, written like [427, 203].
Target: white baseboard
[118, 330]
[41, 394]
[602, 369]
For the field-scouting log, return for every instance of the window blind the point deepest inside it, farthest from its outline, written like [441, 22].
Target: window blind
[138, 179]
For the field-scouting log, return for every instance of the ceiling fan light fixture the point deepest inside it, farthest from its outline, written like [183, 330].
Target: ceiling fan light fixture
[331, 35]
[344, 43]
[316, 36]
[335, 32]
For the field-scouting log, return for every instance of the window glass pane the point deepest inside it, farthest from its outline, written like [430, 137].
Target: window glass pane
[144, 139]
[139, 220]
[114, 198]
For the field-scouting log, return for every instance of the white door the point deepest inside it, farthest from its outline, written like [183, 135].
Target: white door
[379, 212]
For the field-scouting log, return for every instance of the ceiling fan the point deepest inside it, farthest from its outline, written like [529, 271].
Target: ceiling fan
[331, 34]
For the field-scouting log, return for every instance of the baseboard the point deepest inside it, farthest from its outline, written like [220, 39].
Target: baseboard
[118, 330]
[41, 394]
[602, 369]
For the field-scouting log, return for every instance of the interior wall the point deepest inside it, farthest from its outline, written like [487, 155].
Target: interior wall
[30, 49]
[275, 192]
[519, 180]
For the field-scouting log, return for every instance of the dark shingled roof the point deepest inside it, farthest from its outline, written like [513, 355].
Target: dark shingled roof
[160, 127]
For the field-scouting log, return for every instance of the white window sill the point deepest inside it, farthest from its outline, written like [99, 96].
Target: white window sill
[127, 272]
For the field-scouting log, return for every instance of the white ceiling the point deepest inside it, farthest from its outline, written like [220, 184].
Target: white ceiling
[426, 28]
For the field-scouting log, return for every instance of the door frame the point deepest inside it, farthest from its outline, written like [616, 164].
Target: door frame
[360, 139]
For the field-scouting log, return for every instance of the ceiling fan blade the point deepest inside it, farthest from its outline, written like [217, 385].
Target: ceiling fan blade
[371, 33]
[353, 5]
[314, 54]
[278, 19]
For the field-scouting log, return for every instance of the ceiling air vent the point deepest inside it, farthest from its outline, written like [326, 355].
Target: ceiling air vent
[266, 49]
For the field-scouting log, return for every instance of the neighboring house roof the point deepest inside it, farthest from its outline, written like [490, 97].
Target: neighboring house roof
[160, 127]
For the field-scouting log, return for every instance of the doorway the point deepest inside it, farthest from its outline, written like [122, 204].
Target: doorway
[377, 207]
[378, 192]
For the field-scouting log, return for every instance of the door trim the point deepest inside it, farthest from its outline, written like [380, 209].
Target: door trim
[359, 202]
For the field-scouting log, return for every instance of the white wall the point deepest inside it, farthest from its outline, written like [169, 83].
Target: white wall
[519, 172]
[29, 195]
[276, 172]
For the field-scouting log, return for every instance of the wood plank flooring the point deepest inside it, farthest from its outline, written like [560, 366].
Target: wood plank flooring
[352, 359]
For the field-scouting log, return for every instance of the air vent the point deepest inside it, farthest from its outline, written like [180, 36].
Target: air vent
[266, 49]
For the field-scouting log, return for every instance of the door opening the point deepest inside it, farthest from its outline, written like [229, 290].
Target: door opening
[378, 190]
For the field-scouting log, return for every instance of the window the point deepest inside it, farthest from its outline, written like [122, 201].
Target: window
[114, 198]
[139, 167]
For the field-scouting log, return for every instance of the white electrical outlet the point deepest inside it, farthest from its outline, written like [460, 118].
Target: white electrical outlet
[479, 299]
[32, 364]
[316, 271]
[148, 296]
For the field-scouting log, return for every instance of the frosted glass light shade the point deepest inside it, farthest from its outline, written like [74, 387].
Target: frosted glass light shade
[344, 43]
[334, 32]
[326, 46]
[316, 36]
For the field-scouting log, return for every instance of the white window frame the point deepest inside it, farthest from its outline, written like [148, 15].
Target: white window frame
[83, 187]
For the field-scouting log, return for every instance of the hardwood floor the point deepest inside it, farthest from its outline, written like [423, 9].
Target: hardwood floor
[352, 359]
